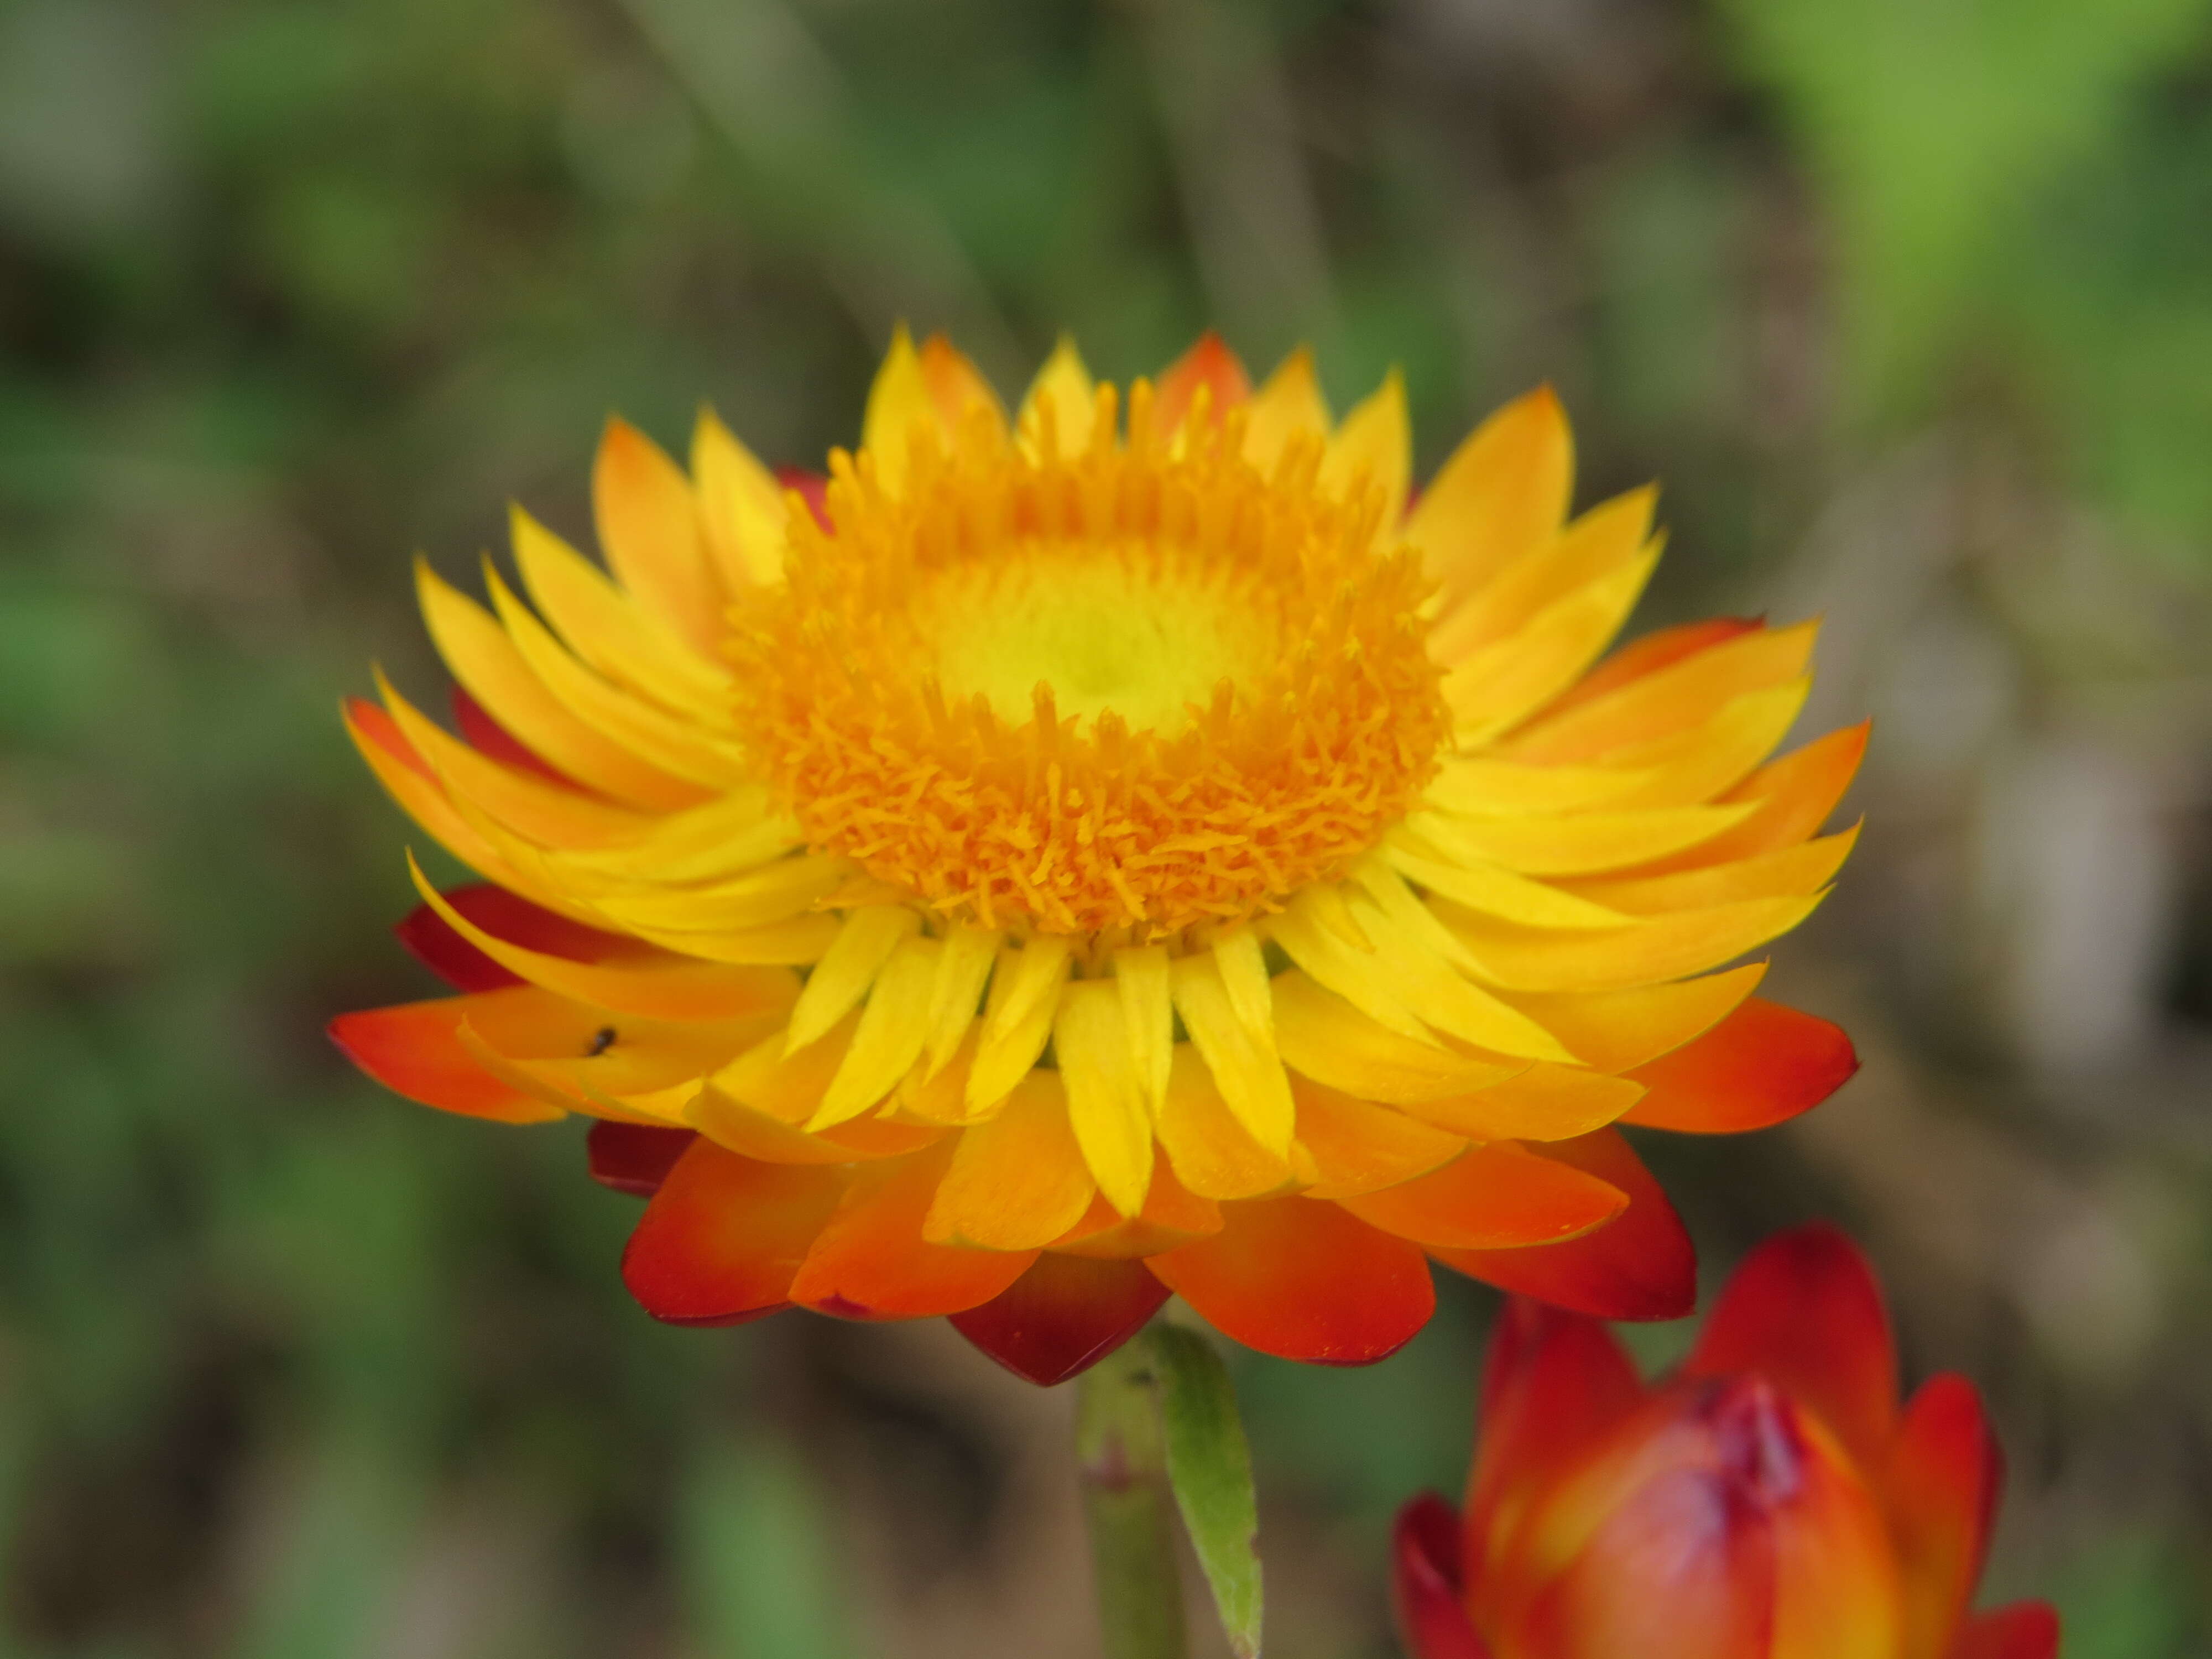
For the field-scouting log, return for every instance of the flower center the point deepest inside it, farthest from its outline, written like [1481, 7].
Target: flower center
[1140, 688]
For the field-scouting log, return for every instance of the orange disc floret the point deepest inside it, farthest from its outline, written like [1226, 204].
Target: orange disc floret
[1131, 690]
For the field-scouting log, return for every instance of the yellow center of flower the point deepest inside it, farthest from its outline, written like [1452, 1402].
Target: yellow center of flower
[1139, 687]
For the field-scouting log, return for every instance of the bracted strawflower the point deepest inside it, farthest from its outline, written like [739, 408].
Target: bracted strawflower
[1771, 1500]
[1120, 850]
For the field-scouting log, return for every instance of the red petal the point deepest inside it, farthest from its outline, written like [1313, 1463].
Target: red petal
[412, 1050]
[1651, 654]
[1803, 1310]
[1553, 1384]
[870, 1261]
[487, 736]
[1639, 1265]
[1425, 1589]
[1063, 1316]
[1499, 1197]
[1944, 1474]
[2026, 1629]
[813, 489]
[722, 1237]
[634, 1158]
[514, 919]
[1208, 363]
[1762, 1064]
[1303, 1279]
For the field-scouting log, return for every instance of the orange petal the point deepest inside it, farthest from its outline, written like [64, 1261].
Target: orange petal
[1651, 654]
[513, 918]
[722, 1237]
[1063, 1316]
[1209, 363]
[1425, 1586]
[1684, 695]
[1172, 1217]
[1804, 1311]
[2026, 1629]
[414, 1050]
[1017, 1180]
[1302, 1279]
[1639, 1266]
[1619, 1030]
[1354, 1146]
[1795, 795]
[870, 1261]
[1762, 1064]
[1941, 1486]
[1553, 1384]
[956, 387]
[1497, 1197]
[1504, 490]
[634, 1158]
[648, 525]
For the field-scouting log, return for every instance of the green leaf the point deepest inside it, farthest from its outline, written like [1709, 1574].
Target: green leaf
[1210, 1466]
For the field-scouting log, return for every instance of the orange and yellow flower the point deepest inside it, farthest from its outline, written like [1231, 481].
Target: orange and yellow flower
[1770, 1501]
[1129, 846]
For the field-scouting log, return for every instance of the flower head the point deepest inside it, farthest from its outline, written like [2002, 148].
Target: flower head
[1771, 1499]
[1124, 848]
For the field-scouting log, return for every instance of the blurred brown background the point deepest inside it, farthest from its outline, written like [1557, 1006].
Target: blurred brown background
[1909, 302]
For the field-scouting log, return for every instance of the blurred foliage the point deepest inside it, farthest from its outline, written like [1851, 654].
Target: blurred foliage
[288, 290]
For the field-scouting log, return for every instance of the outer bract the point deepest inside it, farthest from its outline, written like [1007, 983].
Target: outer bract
[1770, 1499]
[1128, 846]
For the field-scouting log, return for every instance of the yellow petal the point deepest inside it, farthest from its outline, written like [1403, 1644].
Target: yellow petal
[672, 744]
[1477, 786]
[657, 988]
[898, 402]
[1148, 1013]
[894, 1024]
[788, 1086]
[1433, 990]
[961, 974]
[488, 664]
[1213, 1153]
[1432, 855]
[1545, 1102]
[795, 942]
[1018, 1022]
[719, 838]
[1504, 490]
[1664, 947]
[1354, 974]
[741, 507]
[1017, 1182]
[1247, 1072]
[1620, 1030]
[1324, 1038]
[1105, 1093]
[648, 525]
[1061, 403]
[1502, 684]
[1374, 449]
[1583, 843]
[1789, 873]
[1595, 545]
[1289, 406]
[779, 890]
[1675, 698]
[842, 977]
[1242, 961]
[1709, 760]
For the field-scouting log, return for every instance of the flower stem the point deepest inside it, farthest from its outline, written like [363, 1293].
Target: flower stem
[1121, 1456]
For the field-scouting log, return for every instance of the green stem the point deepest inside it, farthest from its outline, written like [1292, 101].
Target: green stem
[1121, 1456]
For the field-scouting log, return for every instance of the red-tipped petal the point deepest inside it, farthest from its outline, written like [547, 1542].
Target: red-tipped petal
[487, 736]
[434, 943]
[413, 1049]
[1639, 1266]
[1303, 1279]
[1554, 1384]
[1804, 1311]
[870, 1261]
[1424, 1587]
[2026, 1629]
[634, 1158]
[1209, 363]
[1499, 1197]
[724, 1235]
[1063, 1316]
[1940, 1488]
[813, 489]
[1762, 1064]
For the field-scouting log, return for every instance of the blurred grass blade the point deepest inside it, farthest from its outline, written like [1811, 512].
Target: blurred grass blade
[1210, 1466]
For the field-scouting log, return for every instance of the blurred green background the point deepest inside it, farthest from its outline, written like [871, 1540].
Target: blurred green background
[1909, 302]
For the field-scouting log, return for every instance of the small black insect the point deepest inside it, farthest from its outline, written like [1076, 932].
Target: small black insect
[602, 1040]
